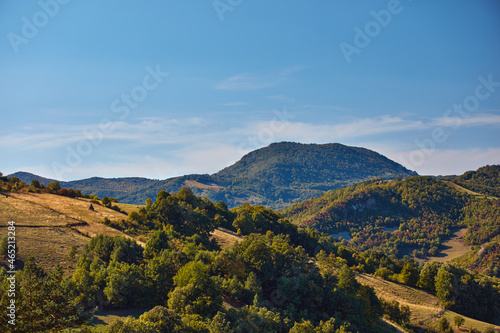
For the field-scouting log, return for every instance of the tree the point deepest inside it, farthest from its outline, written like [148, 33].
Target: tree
[445, 290]
[409, 275]
[4, 246]
[47, 302]
[72, 252]
[443, 325]
[244, 223]
[195, 292]
[35, 183]
[106, 202]
[54, 186]
[347, 280]
[156, 243]
[428, 274]
[459, 321]
[165, 320]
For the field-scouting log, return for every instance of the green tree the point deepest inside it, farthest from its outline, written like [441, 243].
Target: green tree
[156, 243]
[303, 327]
[195, 292]
[428, 274]
[459, 321]
[4, 246]
[106, 202]
[347, 280]
[46, 302]
[220, 324]
[72, 252]
[165, 320]
[35, 183]
[444, 325]
[409, 275]
[244, 223]
[445, 289]
[54, 186]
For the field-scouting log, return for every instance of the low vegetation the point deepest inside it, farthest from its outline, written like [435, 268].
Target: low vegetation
[258, 272]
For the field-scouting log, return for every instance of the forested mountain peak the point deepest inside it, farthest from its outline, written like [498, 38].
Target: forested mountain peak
[291, 163]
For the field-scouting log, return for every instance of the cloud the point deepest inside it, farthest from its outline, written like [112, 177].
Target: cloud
[234, 104]
[281, 98]
[255, 81]
[307, 132]
[476, 120]
[446, 161]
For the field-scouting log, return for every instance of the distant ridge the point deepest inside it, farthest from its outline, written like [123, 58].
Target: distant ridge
[276, 176]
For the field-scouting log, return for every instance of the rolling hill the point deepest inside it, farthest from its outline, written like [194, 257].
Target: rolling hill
[416, 215]
[276, 176]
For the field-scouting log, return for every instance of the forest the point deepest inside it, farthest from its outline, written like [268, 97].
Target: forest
[279, 278]
[412, 215]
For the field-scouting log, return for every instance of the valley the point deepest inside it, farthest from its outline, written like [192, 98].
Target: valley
[356, 253]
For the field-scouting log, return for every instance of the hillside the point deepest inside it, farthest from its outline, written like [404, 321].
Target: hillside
[119, 188]
[48, 225]
[261, 271]
[415, 216]
[485, 180]
[275, 176]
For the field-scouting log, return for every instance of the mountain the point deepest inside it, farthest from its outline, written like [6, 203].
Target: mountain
[484, 180]
[276, 176]
[400, 216]
[119, 188]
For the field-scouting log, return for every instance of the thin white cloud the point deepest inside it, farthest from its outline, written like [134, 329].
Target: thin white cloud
[476, 120]
[255, 81]
[281, 98]
[234, 104]
[446, 161]
[307, 132]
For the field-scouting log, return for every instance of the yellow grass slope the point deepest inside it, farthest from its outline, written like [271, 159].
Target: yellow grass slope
[425, 308]
[48, 225]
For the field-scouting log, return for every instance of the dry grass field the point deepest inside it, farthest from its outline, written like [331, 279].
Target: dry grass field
[424, 307]
[225, 238]
[453, 248]
[48, 225]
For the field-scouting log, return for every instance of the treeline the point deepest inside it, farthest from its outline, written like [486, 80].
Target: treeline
[485, 180]
[397, 216]
[278, 278]
[484, 259]
[271, 284]
[14, 184]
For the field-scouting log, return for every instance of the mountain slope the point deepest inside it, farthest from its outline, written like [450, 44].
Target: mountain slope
[275, 176]
[485, 180]
[287, 172]
[417, 213]
[291, 164]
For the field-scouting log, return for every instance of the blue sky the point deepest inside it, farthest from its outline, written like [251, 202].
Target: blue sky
[164, 88]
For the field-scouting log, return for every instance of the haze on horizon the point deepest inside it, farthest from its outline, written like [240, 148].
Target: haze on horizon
[168, 88]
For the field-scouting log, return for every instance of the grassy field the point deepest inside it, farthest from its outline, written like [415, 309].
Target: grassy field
[452, 248]
[424, 307]
[48, 225]
[225, 238]
[105, 318]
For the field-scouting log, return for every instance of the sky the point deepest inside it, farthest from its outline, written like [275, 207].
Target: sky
[159, 89]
